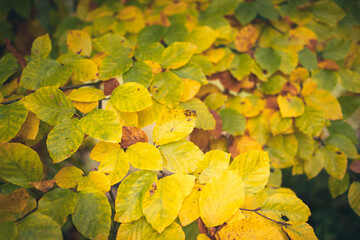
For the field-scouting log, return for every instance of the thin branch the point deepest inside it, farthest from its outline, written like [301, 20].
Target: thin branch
[256, 211]
[113, 230]
[20, 58]
[276, 29]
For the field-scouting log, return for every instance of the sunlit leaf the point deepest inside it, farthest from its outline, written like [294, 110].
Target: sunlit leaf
[344, 144]
[197, 37]
[273, 85]
[68, 177]
[300, 231]
[204, 119]
[102, 149]
[306, 145]
[190, 211]
[314, 164]
[115, 164]
[84, 70]
[279, 124]
[86, 95]
[241, 66]
[191, 71]
[150, 114]
[311, 121]
[290, 106]
[177, 54]
[8, 66]
[144, 156]
[350, 80]
[79, 42]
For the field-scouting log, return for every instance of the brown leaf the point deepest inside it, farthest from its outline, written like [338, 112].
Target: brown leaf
[15, 202]
[290, 88]
[243, 144]
[132, 135]
[355, 166]
[227, 80]
[271, 102]
[44, 186]
[200, 138]
[201, 226]
[246, 38]
[110, 85]
[328, 65]
[218, 127]
[312, 45]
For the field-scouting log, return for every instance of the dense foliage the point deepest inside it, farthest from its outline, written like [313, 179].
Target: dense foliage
[228, 94]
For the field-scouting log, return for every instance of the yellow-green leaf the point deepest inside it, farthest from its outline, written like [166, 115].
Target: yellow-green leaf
[300, 231]
[115, 164]
[86, 95]
[102, 149]
[273, 85]
[150, 114]
[311, 122]
[95, 180]
[233, 122]
[191, 71]
[221, 198]
[131, 193]
[190, 210]
[290, 106]
[68, 177]
[65, 139]
[344, 144]
[8, 230]
[79, 42]
[173, 125]
[241, 66]
[197, 37]
[181, 156]
[289, 60]
[211, 164]
[41, 47]
[278, 124]
[325, 101]
[335, 161]
[177, 54]
[103, 125]
[92, 216]
[38, 226]
[140, 73]
[131, 97]
[338, 187]
[285, 205]
[84, 70]
[254, 169]
[306, 145]
[58, 204]
[12, 116]
[113, 66]
[144, 156]
[354, 197]
[50, 105]
[167, 88]
[204, 119]
[19, 164]
[314, 164]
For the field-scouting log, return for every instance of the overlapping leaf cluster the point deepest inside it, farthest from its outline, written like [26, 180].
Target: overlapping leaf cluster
[240, 76]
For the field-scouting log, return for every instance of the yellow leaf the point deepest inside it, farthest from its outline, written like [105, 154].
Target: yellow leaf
[311, 122]
[144, 156]
[258, 105]
[84, 70]
[68, 177]
[290, 106]
[116, 165]
[177, 54]
[354, 197]
[220, 198]
[79, 42]
[245, 39]
[256, 200]
[190, 211]
[280, 205]
[181, 156]
[95, 180]
[197, 37]
[85, 107]
[86, 95]
[126, 118]
[173, 125]
[150, 115]
[308, 87]
[128, 13]
[29, 129]
[184, 182]
[243, 144]
[254, 169]
[240, 104]
[131, 193]
[211, 164]
[102, 149]
[202, 236]
[300, 231]
[252, 227]
[299, 75]
[215, 54]
[191, 88]
[204, 119]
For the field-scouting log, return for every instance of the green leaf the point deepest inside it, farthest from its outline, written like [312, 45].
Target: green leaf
[161, 206]
[325, 79]
[221, 198]
[181, 156]
[289, 60]
[103, 125]
[20, 164]
[177, 54]
[344, 144]
[150, 34]
[335, 161]
[112, 45]
[79, 42]
[254, 169]
[8, 230]
[306, 145]
[65, 139]
[204, 119]
[38, 226]
[280, 205]
[115, 164]
[131, 97]
[338, 187]
[211, 164]
[344, 128]
[50, 105]
[266, 9]
[221, 7]
[113, 66]
[92, 216]
[58, 204]
[197, 37]
[141, 229]
[149, 52]
[349, 104]
[140, 73]
[290, 106]
[245, 12]
[233, 122]
[314, 165]
[268, 59]
[144, 156]
[12, 116]
[337, 49]
[350, 80]
[131, 193]
[8, 66]
[308, 59]
[41, 46]
[167, 88]
[354, 197]
[327, 12]
[241, 66]
[311, 122]
[274, 85]
[191, 71]
[42, 72]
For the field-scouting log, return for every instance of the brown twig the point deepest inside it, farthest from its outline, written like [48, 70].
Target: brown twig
[256, 211]
[20, 58]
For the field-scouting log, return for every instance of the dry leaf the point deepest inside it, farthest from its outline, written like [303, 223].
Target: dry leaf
[218, 127]
[44, 186]
[110, 85]
[132, 135]
[328, 65]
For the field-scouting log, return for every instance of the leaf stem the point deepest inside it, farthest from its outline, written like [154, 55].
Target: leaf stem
[113, 230]
[20, 58]
[256, 211]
